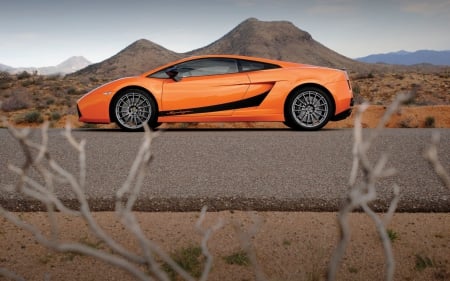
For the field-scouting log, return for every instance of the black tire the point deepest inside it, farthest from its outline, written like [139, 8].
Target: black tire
[154, 125]
[308, 109]
[133, 108]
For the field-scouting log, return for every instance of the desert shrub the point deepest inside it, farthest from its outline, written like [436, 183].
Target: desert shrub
[53, 77]
[5, 80]
[5, 84]
[392, 235]
[430, 122]
[407, 123]
[55, 116]
[423, 262]
[239, 258]
[23, 75]
[39, 80]
[412, 100]
[75, 91]
[88, 126]
[399, 76]
[357, 94]
[5, 75]
[72, 91]
[15, 102]
[362, 76]
[68, 101]
[27, 82]
[50, 101]
[30, 117]
[190, 259]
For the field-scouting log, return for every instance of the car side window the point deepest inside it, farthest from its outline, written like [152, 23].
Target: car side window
[201, 67]
[246, 65]
[159, 74]
[204, 67]
[214, 66]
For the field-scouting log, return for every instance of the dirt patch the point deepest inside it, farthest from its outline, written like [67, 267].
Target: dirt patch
[437, 116]
[289, 246]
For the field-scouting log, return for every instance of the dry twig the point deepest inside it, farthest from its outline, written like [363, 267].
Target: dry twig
[38, 158]
[362, 193]
[431, 154]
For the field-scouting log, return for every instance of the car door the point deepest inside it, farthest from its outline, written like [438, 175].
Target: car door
[209, 86]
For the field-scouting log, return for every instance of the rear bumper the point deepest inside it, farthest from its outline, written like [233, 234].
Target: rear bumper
[343, 115]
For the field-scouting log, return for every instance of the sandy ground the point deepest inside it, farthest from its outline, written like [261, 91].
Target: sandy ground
[289, 246]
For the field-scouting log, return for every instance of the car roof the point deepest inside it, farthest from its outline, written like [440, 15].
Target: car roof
[280, 63]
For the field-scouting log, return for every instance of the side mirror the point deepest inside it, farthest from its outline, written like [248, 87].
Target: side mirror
[173, 73]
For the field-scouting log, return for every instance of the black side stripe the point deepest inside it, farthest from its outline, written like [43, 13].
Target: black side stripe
[249, 102]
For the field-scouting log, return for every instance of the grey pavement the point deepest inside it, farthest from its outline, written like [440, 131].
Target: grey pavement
[245, 169]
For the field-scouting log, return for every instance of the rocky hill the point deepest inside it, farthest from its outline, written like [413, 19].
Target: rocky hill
[276, 40]
[269, 39]
[141, 56]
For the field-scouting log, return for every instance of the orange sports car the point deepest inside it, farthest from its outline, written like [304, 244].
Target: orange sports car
[222, 88]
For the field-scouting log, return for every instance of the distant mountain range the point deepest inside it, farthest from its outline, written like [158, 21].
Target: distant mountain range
[70, 65]
[410, 58]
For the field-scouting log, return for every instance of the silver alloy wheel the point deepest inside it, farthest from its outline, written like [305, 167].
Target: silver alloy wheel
[133, 110]
[310, 109]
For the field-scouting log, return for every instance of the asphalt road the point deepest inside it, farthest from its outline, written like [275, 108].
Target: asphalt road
[248, 169]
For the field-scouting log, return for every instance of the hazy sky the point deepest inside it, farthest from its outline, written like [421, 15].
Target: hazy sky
[45, 32]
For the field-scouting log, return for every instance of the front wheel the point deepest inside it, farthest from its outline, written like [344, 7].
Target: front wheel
[308, 109]
[133, 108]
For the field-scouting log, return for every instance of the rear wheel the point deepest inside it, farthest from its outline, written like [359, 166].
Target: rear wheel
[133, 108]
[308, 109]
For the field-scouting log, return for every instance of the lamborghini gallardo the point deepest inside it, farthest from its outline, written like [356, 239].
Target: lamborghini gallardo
[222, 88]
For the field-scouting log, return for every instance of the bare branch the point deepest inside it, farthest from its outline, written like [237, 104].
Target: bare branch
[73, 247]
[361, 194]
[45, 193]
[206, 233]
[386, 242]
[11, 275]
[394, 203]
[431, 154]
[245, 238]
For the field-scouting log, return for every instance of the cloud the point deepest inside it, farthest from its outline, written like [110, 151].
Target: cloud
[428, 8]
[333, 7]
[259, 3]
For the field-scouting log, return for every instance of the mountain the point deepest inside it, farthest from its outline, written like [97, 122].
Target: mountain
[6, 68]
[276, 40]
[68, 66]
[410, 58]
[272, 39]
[138, 57]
